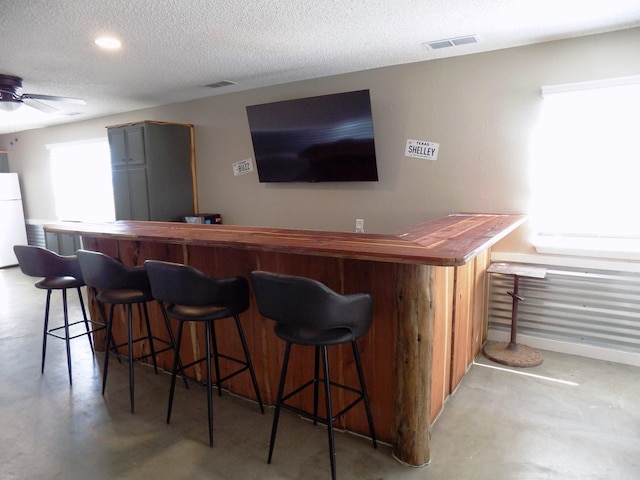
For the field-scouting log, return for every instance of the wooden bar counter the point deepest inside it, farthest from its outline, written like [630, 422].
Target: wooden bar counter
[429, 288]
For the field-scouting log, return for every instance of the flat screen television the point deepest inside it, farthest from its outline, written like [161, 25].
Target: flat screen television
[327, 138]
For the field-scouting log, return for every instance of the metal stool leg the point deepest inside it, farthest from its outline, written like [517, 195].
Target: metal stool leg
[365, 394]
[45, 334]
[108, 339]
[172, 338]
[174, 371]
[86, 320]
[65, 312]
[130, 349]
[210, 338]
[103, 315]
[276, 416]
[327, 395]
[150, 337]
[247, 357]
[211, 335]
[316, 381]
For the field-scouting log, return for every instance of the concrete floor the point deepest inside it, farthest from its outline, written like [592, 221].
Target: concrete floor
[570, 418]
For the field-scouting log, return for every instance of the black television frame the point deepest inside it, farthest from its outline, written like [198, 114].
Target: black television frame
[324, 138]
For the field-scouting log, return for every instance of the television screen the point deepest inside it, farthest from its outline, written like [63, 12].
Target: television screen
[328, 138]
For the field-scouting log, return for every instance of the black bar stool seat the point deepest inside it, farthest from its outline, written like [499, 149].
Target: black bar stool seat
[59, 283]
[309, 313]
[189, 295]
[57, 272]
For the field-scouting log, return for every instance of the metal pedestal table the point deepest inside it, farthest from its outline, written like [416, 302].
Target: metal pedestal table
[512, 353]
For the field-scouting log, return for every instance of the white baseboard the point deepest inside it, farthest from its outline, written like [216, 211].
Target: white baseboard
[588, 351]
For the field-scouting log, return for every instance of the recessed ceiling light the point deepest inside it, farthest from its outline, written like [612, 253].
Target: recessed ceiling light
[108, 43]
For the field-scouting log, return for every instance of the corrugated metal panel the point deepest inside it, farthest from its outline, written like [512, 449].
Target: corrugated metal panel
[591, 307]
[35, 235]
[63, 244]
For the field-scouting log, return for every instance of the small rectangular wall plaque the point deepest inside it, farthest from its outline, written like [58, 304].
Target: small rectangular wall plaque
[242, 167]
[422, 149]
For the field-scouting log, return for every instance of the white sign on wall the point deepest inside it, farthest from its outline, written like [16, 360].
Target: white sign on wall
[422, 149]
[242, 167]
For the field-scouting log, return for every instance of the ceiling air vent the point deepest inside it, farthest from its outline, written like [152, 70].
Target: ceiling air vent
[223, 83]
[452, 42]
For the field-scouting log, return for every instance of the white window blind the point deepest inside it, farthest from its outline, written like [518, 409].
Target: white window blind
[586, 161]
[81, 176]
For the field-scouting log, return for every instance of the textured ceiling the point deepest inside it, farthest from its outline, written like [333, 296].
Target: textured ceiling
[173, 48]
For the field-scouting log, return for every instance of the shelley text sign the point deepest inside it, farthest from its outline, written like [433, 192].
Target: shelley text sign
[422, 149]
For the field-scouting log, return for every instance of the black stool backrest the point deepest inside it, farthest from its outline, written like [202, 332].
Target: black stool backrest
[107, 273]
[304, 302]
[36, 261]
[178, 284]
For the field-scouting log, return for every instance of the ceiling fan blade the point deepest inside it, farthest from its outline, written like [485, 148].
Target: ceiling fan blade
[10, 98]
[43, 107]
[53, 98]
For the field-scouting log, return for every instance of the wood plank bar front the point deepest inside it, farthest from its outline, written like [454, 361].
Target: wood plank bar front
[429, 289]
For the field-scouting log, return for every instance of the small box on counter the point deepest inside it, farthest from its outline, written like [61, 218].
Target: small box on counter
[205, 218]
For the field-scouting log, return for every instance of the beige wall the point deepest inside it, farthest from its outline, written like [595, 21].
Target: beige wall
[481, 109]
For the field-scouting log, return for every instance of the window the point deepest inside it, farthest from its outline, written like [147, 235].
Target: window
[81, 176]
[586, 166]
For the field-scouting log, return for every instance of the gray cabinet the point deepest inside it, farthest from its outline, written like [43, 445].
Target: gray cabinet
[4, 162]
[152, 171]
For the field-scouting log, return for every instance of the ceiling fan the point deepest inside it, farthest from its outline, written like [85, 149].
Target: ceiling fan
[11, 98]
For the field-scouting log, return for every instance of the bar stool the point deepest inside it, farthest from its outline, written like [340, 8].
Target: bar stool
[511, 353]
[57, 272]
[115, 283]
[307, 312]
[189, 295]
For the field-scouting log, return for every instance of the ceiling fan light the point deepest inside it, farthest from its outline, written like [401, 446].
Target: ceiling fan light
[10, 105]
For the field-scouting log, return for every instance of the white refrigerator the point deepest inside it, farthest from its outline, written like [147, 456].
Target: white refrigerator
[12, 227]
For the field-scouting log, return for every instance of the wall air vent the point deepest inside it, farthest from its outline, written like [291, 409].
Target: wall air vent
[452, 42]
[223, 83]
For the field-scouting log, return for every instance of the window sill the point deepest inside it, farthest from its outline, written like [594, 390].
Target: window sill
[619, 248]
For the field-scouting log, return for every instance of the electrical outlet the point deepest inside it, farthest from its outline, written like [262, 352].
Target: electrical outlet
[359, 225]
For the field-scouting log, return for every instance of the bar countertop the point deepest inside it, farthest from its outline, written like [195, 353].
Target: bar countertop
[447, 241]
